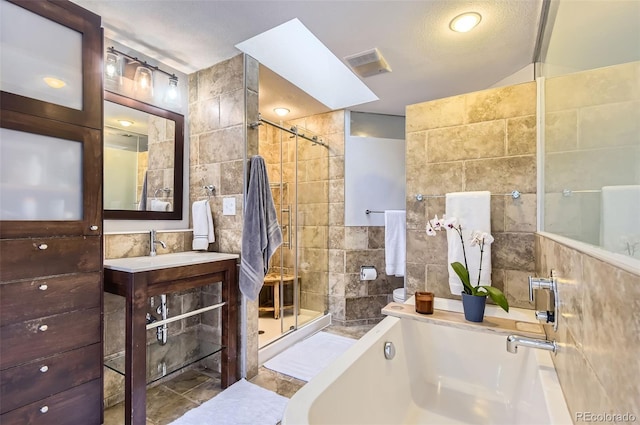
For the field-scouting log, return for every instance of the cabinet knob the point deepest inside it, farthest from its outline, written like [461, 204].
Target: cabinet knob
[94, 227]
[43, 246]
[44, 409]
[44, 369]
[43, 328]
[43, 287]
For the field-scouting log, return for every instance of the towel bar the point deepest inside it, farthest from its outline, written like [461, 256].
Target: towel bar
[515, 194]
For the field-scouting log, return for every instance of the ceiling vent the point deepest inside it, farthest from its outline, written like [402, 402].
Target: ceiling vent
[368, 63]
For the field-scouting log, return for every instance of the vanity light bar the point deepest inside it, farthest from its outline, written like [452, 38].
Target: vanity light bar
[142, 62]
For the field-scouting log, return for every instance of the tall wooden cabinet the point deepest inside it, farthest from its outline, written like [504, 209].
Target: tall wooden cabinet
[50, 214]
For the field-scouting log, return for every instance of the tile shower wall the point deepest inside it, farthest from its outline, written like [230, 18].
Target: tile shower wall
[307, 165]
[599, 323]
[478, 141]
[135, 245]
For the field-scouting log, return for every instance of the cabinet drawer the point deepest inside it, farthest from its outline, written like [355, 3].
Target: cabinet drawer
[81, 405]
[34, 381]
[27, 258]
[26, 341]
[30, 299]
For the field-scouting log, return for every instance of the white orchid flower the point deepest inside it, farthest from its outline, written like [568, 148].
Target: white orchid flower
[437, 223]
[430, 230]
[451, 223]
[476, 238]
[487, 238]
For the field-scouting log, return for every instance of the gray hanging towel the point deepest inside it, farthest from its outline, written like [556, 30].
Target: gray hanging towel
[261, 234]
[142, 206]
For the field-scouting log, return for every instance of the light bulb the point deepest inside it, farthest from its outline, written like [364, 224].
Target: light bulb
[281, 112]
[172, 95]
[125, 123]
[172, 91]
[111, 67]
[465, 22]
[54, 83]
[143, 82]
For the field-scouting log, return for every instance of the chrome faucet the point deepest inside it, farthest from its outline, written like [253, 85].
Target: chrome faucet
[515, 341]
[153, 242]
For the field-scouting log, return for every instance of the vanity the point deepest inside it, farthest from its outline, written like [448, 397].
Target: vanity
[139, 278]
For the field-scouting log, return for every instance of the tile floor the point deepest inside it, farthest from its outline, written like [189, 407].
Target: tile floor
[172, 399]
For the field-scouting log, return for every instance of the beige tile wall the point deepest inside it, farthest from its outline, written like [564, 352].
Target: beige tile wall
[160, 158]
[478, 141]
[221, 98]
[598, 361]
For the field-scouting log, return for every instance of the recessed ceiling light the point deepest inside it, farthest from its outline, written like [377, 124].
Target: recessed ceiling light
[125, 123]
[465, 22]
[54, 83]
[281, 111]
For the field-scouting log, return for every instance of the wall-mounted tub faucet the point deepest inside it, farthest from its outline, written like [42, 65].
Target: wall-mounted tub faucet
[515, 341]
[550, 312]
[153, 242]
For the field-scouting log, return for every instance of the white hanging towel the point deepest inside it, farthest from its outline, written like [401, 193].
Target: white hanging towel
[158, 205]
[620, 219]
[473, 211]
[395, 241]
[202, 225]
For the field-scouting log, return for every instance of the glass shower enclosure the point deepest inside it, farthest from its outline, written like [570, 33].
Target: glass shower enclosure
[296, 287]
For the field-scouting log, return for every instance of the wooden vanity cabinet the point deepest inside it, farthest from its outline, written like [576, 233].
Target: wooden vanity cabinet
[51, 279]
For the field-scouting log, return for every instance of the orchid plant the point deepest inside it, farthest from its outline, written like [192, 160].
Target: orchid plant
[479, 239]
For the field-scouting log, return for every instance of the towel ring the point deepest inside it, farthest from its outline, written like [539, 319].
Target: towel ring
[211, 189]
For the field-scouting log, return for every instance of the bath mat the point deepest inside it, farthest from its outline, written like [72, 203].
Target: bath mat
[308, 357]
[243, 403]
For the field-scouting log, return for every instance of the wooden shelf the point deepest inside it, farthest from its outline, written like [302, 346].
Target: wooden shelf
[495, 325]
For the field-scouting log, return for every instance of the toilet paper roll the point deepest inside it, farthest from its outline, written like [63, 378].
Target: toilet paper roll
[368, 273]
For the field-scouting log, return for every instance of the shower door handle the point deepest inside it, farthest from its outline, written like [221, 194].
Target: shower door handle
[288, 211]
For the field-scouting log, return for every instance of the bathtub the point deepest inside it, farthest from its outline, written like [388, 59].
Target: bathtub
[439, 375]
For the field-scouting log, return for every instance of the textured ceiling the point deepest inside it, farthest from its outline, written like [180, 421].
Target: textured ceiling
[428, 60]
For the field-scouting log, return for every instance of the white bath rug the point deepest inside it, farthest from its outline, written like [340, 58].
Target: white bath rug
[308, 357]
[243, 403]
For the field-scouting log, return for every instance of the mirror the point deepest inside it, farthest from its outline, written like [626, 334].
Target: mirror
[591, 131]
[143, 167]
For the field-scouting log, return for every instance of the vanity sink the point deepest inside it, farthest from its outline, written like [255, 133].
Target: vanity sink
[139, 278]
[165, 261]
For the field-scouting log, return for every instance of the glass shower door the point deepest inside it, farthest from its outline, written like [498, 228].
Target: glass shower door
[296, 287]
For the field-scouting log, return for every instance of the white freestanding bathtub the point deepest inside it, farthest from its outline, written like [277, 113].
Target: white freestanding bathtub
[439, 375]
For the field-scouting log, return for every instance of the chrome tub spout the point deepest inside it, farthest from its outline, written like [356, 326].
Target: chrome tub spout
[515, 341]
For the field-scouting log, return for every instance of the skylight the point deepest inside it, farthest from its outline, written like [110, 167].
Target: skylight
[293, 52]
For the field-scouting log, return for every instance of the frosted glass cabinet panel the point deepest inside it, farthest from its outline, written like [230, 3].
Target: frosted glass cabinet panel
[39, 58]
[40, 177]
[51, 61]
[50, 177]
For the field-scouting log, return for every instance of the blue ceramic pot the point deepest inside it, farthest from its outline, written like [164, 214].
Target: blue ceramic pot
[473, 307]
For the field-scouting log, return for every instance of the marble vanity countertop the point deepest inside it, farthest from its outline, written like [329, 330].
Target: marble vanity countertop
[454, 319]
[165, 261]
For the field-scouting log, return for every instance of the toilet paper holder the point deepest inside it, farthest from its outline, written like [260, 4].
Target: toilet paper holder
[368, 273]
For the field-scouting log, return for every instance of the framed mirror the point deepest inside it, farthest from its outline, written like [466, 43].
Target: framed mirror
[143, 160]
